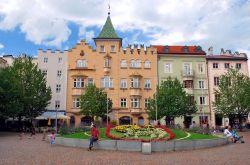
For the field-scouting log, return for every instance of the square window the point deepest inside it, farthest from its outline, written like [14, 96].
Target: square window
[45, 60]
[226, 65]
[123, 102]
[215, 65]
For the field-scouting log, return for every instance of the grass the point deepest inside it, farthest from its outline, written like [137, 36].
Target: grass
[178, 134]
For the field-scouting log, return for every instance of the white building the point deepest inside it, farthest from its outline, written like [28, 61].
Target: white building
[54, 66]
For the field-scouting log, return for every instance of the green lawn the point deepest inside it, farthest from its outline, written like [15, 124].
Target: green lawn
[178, 134]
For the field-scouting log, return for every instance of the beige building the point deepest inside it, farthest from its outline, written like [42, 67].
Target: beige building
[218, 65]
[128, 75]
[3, 62]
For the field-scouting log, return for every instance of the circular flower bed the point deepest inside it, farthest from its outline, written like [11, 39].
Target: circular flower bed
[134, 132]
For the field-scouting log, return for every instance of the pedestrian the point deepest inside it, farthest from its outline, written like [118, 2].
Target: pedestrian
[44, 134]
[228, 134]
[33, 131]
[21, 135]
[94, 136]
[52, 138]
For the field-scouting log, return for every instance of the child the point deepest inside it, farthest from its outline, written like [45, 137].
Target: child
[52, 138]
[94, 136]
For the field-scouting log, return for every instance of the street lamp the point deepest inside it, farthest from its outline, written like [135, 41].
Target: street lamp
[56, 119]
[107, 108]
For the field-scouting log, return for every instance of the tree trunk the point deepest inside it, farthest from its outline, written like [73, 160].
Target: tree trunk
[240, 122]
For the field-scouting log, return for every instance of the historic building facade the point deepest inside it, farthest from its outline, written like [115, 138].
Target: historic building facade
[129, 76]
[218, 65]
[3, 62]
[187, 64]
[54, 66]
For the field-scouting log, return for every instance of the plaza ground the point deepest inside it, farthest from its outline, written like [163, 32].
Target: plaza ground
[34, 151]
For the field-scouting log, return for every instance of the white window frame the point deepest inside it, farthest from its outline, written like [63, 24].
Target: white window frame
[201, 84]
[90, 81]
[187, 68]
[137, 63]
[123, 83]
[135, 82]
[76, 102]
[135, 102]
[59, 73]
[107, 82]
[57, 104]
[58, 88]
[45, 60]
[167, 67]
[201, 68]
[112, 48]
[78, 82]
[133, 63]
[147, 64]
[147, 83]
[215, 65]
[216, 81]
[107, 62]
[123, 103]
[146, 103]
[102, 48]
[81, 63]
[202, 100]
[123, 64]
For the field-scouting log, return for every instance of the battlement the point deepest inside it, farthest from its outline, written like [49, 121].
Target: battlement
[139, 49]
[50, 51]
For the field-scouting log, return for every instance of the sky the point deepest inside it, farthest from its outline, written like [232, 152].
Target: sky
[27, 25]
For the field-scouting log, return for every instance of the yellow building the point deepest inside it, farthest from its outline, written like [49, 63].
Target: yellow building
[128, 75]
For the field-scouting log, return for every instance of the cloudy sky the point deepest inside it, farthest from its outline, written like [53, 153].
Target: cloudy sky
[26, 25]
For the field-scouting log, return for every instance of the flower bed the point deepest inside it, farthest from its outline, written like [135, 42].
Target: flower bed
[133, 132]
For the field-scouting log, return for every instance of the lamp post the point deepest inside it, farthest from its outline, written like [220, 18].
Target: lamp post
[56, 119]
[107, 109]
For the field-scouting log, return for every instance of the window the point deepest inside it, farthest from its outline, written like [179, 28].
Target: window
[215, 65]
[191, 99]
[45, 60]
[202, 100]
[102, 48]
[107, 62]
[132, 63]
[226, 65]
[146, 103]
[147, 83]
[123, 63]
[76, 102]
[90, 81]
[123, 83]
[217, 98]
[216, 81]
[138, 64]
[81, 63]
[135, 82]
[135, 103]
[58, 88]
[238, 66]
[59, 73]
[188, 84]
[59, 59]
[187, 69]
[107, 82]
[123, 102]
[112, 48]
[168, 68]
[57, 104]
[200, 68]
[78, 82]
[201, 84]
[45, 73]
[147, 64]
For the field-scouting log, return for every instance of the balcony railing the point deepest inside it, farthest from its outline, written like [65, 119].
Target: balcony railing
[135, 91]
[187, 73]
[135, 111]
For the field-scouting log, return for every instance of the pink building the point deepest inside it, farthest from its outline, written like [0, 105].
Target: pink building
[217, 65]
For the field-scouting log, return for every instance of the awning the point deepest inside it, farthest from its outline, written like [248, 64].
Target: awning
[52, 115]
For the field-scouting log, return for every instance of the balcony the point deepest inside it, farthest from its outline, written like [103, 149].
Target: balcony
[107, 69]
[189, 91]
[135, 111]
[77, 91]
[135, 91]
[187, 73]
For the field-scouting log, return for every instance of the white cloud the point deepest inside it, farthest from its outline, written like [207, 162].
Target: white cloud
[1, 46]
[207, 23]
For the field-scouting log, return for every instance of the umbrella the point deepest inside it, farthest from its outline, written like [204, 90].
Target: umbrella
[49, 122]
[41, 118]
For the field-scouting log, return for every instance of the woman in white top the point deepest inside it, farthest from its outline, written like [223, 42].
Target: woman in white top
[228, 134]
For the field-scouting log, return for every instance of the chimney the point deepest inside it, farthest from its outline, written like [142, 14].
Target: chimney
[222, 51]
[210, 51]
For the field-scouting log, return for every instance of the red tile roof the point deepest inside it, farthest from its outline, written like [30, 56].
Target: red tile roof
[197, 50]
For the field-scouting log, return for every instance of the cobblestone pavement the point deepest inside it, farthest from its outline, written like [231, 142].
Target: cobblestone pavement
[34, 151]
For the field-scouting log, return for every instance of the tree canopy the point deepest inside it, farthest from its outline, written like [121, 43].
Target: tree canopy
[93, 102]
[171, 100]
[233, 95]
[23, 90]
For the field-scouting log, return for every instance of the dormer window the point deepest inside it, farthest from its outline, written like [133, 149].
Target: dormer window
[198, 49]
[102, 48]
[112, 48]
[81, 63]
[185, 49]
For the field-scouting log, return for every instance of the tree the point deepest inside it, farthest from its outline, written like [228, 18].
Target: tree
[233, 95]
[23, 90]
[94, 102]
[172, 101]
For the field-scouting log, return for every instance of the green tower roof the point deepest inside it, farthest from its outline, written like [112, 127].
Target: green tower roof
[108, 30]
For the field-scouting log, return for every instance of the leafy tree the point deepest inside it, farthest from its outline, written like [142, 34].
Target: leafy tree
[233, 95]
[94, 102]
[172, 101]
[23, 90]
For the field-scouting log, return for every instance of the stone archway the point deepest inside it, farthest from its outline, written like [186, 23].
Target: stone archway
[125, 120]
[86, 120]
[141, 121]
[72, 121]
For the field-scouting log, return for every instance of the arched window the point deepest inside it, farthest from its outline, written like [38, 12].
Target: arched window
[81, 63]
